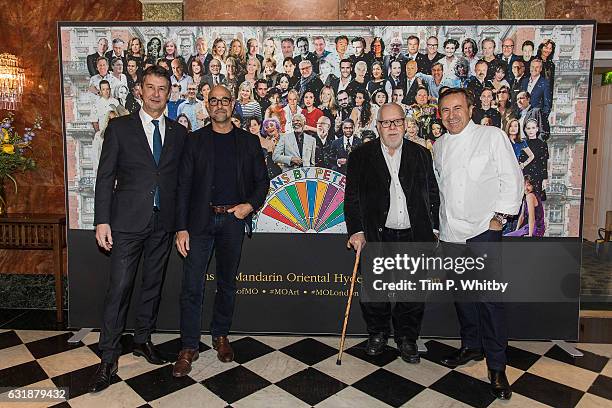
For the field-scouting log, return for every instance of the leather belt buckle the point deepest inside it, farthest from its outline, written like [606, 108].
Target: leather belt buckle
[221, 209]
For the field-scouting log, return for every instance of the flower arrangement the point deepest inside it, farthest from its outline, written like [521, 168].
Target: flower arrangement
[14, 153]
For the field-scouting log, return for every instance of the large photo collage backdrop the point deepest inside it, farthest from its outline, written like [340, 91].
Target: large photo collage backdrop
[321, 88]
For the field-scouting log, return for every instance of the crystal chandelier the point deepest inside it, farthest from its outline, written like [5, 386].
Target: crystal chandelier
[12, 78]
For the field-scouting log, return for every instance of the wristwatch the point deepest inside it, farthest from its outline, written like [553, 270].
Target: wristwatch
[501, 217]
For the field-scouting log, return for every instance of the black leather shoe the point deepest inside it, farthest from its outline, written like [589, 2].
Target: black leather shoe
[376, 344]
[463, 356]
[149, 352]
[408, 350]
[103, 376]
[500, 388]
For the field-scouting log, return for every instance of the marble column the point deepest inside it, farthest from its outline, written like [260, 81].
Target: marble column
[162, 10]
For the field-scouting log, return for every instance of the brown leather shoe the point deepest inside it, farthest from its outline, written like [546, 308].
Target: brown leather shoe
[225, 354]
[182, 367]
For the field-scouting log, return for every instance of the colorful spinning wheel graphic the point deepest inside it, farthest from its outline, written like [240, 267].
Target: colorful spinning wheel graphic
[307, 206]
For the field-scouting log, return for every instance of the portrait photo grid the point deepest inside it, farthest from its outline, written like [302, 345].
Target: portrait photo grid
[322, 86]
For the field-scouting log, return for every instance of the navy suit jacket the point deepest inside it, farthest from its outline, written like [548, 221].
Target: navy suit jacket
[128, 175]
[540, 95]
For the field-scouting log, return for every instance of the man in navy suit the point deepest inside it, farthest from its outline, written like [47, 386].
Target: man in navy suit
[508, 57]
[538, 87]
[134, 216]
[343, 146]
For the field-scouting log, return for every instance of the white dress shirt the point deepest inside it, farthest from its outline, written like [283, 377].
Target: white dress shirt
[148, 126]
[397, 218]
[478, 175]
[348, 141]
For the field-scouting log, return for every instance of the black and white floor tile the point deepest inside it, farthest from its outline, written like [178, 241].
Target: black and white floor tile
[272, 371]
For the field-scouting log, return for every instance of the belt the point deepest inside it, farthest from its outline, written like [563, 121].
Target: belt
[221, 209]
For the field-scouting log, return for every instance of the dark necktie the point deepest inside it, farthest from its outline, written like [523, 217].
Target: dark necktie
[300, 142]
[157, 149]
[347, 147]
[215, 80]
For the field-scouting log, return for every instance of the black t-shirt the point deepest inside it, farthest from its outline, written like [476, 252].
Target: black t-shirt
[225, 180]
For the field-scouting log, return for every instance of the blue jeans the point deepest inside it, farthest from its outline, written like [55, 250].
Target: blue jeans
[224, 235]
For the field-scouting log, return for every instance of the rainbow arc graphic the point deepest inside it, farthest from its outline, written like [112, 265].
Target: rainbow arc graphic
[307, 206]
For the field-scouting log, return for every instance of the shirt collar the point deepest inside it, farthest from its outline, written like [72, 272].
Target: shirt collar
[146, 118]
[385, 149]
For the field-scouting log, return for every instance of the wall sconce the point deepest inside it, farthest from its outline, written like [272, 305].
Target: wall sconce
[12, 78]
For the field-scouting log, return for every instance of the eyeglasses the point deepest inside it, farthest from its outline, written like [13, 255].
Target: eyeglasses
[387, 123]
[432, 45]
[223, 101]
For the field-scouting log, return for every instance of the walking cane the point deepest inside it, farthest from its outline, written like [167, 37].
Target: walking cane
[348, 308]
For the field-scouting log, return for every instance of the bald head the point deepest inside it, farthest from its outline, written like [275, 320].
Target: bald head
[411, 68]
[390, 110]
[219, 91]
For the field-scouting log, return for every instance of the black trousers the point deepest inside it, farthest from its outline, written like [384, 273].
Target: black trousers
[154, 243]
[483, 324]
[406, 317]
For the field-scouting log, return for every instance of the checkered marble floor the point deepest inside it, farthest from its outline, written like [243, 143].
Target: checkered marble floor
[272, 371]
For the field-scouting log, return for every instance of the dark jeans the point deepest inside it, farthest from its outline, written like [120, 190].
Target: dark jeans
[483, 324]
[155, 244]
[224, 235]
[405, 316]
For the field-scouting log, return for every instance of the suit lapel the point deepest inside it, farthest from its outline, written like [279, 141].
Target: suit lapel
[407, 168]
[141, 136]
[168, 141]
[381, 165]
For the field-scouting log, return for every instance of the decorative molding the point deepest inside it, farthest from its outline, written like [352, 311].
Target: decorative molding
[162, 10]
[522, 9]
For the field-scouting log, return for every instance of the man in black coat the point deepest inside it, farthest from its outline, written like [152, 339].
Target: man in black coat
[309, 81]
[92, 59]
[223, 181]
[342, 147]
[411, 83]
[134, 216]
[391, 196]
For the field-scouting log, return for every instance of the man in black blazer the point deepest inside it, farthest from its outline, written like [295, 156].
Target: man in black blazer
[391, 196]
[223, 181]
[343, 146]
[92, 59]
[118, 52]
[413, 54]
[134, 216]
[411, 83]
[507, 56]
[395, 54]
[214, 76]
